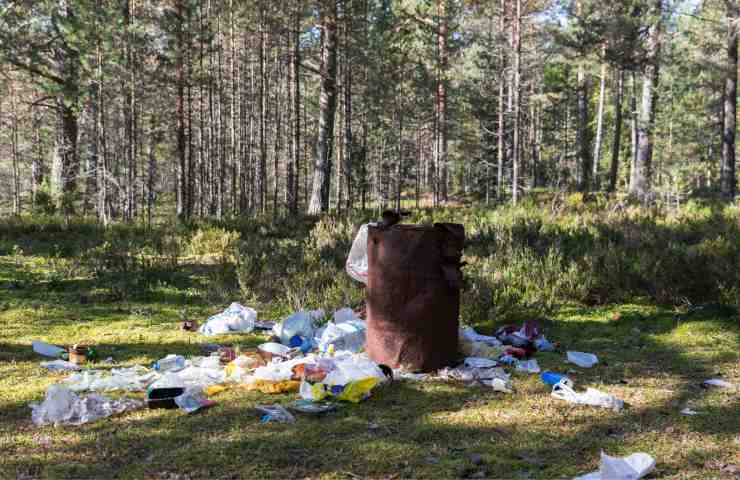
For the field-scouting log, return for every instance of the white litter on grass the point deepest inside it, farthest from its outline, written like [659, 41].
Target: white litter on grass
[469, 333]
[236, 318]
[582, 359]
[480, 362]
[345, 332]
[591, 397]
[501, 385]
[688, 411]
[132, 379]
[716, 382]
[62, 406]
[60, 366]
[528, 366]
[632, 467]
[299, 323]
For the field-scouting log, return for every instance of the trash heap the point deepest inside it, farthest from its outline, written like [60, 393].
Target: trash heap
[322, 364]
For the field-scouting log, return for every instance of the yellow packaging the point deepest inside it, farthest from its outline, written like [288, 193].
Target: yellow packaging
[267, 386]
[215, 389]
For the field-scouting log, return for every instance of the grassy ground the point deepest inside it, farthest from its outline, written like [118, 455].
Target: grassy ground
[648, 358]
[124, 290]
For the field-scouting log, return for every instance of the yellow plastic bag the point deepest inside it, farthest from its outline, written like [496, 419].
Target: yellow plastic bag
[358, 391]
[267, 386]
[314, 392]
[215, 389]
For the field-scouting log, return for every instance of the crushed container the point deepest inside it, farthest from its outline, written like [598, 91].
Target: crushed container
[413, 294]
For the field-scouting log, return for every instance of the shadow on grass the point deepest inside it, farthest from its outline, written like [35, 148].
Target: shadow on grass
[420, 429]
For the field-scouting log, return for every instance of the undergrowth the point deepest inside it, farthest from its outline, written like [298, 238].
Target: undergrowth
[525, 260]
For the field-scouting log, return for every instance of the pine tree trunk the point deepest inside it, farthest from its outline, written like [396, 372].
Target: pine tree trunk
[633, 130]
[618, 93]
[399, 171]
[37, 164]
[501, 127]
[327, 108]
[599, 128]
[100, 140]
[348, 142]
[517, 101]
[294, 165]
[443, 53]
[728, 182]
[15, 154]
[583, 168]
[180, 114]
[261, 176]
[642, 176]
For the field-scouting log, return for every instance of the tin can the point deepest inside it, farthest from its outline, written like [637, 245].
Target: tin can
[78, 354]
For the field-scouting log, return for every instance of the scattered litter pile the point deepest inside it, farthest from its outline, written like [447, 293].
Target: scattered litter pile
[322, 364]
[319, 363]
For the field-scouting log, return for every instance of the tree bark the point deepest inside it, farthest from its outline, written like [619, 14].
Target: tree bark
[261, 177]
[618, 93]
[517, 112]
[327, 109]
[294, 164]
[501, 94]
[442, 33]
[633, 129]
[180, 114]
[640, 187]
[583, 169]
[599, 128]
[728, 181]
[348, 139]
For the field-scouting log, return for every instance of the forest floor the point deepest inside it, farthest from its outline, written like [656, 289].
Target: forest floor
[407, 429]
[122, 291]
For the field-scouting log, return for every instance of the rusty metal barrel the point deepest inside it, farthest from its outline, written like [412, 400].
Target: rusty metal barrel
[413, 295]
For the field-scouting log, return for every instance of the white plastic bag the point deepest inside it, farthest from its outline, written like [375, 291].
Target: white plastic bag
[356, 265]
[480, 362]
[501, 385]
[528, 366]
[275, 413]
[591, 397]
[352, 368]
[236, 318]
[59, 366]
[62, 406]
[346, 332]
[632, 467]
[132, 379]
[717, 382]
[300, 323]
[469, 334]
[582, 359]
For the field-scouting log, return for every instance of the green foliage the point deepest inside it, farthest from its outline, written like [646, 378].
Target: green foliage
[524, 261]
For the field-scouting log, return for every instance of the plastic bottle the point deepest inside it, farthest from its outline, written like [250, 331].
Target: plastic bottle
[552, 378]
[47, 350]
[170, 363]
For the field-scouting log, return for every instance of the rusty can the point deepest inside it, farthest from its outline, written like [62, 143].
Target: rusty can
[413, 295]
[78, 354]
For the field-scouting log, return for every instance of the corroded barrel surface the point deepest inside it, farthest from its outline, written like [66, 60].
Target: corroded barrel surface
[413, 295]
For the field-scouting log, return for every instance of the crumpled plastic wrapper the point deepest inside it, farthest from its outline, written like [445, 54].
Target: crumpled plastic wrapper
[62, 406]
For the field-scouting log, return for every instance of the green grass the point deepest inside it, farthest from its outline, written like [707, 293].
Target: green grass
[648, 358]
[126, 289]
